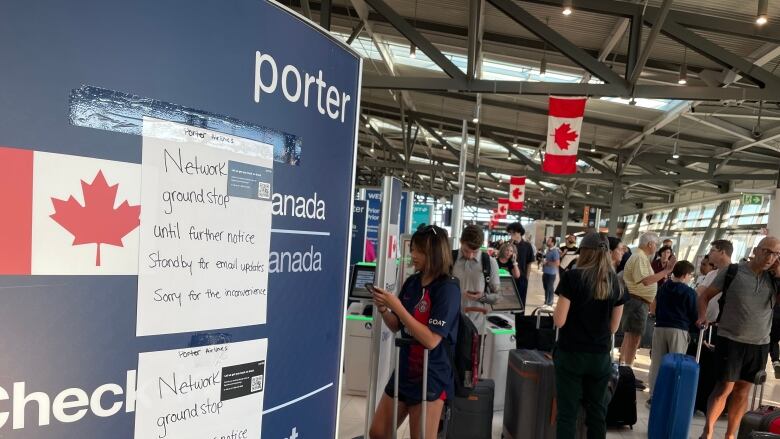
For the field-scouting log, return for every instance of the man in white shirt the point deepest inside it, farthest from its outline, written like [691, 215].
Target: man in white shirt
[720, 257]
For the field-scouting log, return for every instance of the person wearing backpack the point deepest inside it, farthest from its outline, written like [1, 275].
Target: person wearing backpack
[590, 304]
[478, 276]
[742, 345]
[428, 310]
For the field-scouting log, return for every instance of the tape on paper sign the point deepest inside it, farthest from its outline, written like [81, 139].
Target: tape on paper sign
[103, 109]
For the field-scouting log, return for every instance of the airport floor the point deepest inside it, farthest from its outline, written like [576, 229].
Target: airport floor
[353, 408]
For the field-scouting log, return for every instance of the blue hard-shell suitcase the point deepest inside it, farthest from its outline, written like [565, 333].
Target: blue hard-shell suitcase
[674, 396]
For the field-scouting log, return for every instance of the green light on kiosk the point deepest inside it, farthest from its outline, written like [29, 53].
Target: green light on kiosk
[502, 331]
[360, 318]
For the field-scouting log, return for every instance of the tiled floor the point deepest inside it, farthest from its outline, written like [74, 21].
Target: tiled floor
[353, 408]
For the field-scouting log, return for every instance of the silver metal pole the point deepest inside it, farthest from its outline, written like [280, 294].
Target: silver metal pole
[425, 394]
[457, 200]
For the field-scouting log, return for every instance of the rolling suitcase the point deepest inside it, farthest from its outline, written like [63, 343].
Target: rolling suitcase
[761, 419]
[621, 411]
[529, 404]
[472, 415]
[445, 415]
[674, 396]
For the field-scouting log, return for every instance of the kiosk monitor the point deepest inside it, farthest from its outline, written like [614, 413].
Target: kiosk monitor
[508, 296]
[361, 275]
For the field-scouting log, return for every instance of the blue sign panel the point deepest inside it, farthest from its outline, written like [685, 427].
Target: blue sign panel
[374, 199]
[77, 78]
[359, 214]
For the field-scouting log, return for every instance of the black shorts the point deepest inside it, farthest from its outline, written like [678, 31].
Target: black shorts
[409, 400]
[739, 361]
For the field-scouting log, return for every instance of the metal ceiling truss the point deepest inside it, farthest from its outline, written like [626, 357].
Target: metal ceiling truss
[673, 24]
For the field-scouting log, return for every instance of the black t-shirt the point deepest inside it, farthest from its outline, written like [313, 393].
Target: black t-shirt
[525, 256]
[587, 324]
[508, 267]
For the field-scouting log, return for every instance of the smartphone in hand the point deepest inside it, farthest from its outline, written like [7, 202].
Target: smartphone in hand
[372, 289]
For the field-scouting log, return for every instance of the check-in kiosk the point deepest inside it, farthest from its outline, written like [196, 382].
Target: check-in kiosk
[357, 343]
[500, 337]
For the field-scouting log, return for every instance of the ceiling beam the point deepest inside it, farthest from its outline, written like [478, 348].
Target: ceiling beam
[416, 38]
[692, 93]
[566, 47]
[645, 55]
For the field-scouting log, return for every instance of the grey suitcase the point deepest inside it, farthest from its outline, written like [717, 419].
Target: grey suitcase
[530, 396]
[472, 415]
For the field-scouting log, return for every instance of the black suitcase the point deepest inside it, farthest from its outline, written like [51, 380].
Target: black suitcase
[621, 411]
[535, 331]
[472, 415]
[708, 370]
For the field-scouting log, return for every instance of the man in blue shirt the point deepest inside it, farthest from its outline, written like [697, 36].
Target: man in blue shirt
[552, 260]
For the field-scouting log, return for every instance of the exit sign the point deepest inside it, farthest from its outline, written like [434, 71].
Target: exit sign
[752, 199]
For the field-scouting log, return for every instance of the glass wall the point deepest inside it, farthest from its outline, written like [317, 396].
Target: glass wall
[687, 226]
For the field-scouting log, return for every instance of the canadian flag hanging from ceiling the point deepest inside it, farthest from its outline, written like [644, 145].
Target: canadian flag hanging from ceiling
[493, 218]
[503, 207]
[516, 193]
[564, 125]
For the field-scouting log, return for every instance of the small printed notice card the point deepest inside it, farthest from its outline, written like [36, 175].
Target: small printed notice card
[202, 393]
[205, 229]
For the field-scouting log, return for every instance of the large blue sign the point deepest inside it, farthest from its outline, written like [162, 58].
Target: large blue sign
[76, 79]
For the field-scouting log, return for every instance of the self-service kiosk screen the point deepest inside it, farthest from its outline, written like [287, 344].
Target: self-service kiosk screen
[508, 297]
[361, 275]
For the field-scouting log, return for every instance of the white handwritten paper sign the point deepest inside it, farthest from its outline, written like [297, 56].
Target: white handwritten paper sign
[205, 229]
[211, 392]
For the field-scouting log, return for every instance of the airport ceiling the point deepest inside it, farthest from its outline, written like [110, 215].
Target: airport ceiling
[644, 136]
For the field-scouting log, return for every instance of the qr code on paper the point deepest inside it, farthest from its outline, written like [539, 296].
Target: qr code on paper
[257, 383]
[263, 190]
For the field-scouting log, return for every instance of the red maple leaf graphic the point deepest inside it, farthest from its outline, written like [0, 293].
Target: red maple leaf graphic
[564, 135]
[97, 222]
[516, 193]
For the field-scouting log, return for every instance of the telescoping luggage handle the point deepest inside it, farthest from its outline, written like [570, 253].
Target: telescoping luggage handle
[424, 401]
[538, 313]
[701, 341]
[758, 387]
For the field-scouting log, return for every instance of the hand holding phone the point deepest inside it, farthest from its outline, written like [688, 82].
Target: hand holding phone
[372, 289]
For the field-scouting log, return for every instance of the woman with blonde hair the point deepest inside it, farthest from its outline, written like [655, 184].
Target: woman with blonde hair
[590, 304]
[507, 259]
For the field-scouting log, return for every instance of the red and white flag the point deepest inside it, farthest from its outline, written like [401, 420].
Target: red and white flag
[516, 193]
[493, 218]
[503, 207]
[564, 125]
[68, 215]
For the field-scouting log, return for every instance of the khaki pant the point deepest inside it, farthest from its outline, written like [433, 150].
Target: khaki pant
[666, 341]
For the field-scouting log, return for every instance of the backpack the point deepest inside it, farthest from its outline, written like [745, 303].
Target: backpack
[485, 266]
[731, 273]
[465, 355]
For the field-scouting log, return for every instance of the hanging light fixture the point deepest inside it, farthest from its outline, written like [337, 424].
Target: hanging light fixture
[543, 62]
[675, 151]
[509, 156]
[762, 14]
[593, 143]
[372, 147]
[476, 114]
[514, 143]
[368, 124]
[567, 7]
[587, 190]
[412, 47]
[683, 79]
